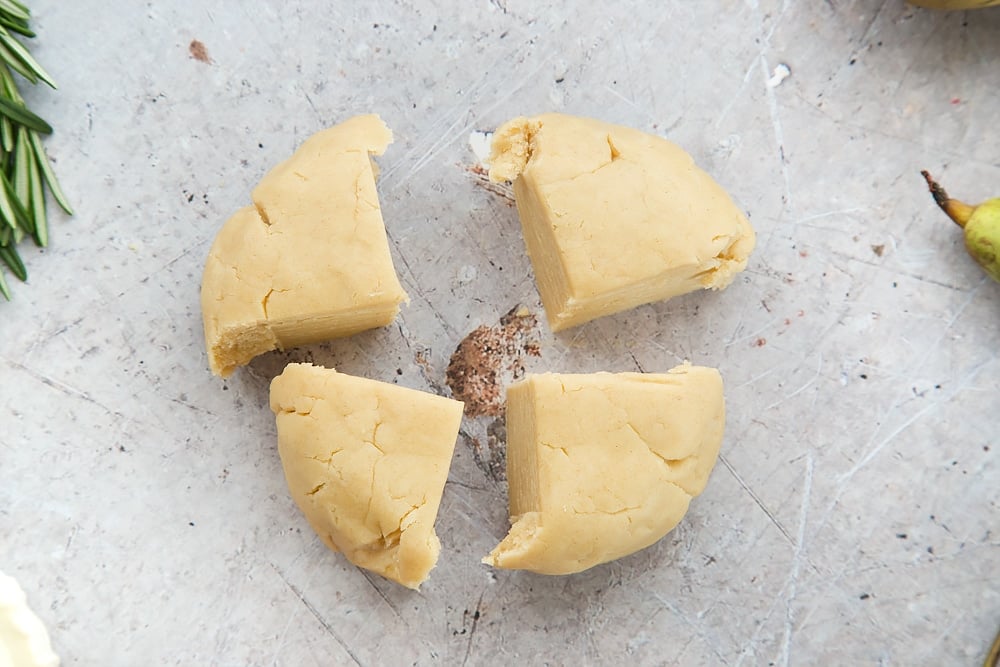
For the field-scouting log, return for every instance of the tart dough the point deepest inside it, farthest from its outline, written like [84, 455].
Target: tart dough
[366, 462]
[613, 217]
[309, 261]
[603, 465]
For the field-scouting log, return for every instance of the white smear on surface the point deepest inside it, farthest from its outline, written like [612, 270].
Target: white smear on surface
[780, 73]
[480, 142]
[467, 274]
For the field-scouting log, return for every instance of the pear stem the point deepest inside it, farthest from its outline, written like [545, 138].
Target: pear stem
[958, 211]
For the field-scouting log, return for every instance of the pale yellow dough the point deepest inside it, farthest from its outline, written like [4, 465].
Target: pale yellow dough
[613, 217]
[603, 465]
[309, 261]
[366, 462]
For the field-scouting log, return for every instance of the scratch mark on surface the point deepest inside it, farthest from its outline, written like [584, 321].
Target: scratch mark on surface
[472, 631]
[312, 610]
[708, 637]
[793, 575]
[932, 648]
[739, 91]
[830, 214]
[39, 340]
[775, 114]
[192, 406]
[874, 451]
[464, 121]
[413, 283]
[385, 598]
[69, 540]
[629, 77]
[636, 362]
[779, 134]
[756, 499]
[868, 28]
[809, 383]
[733, 340]
[474, 515]
[61, 387]
[627, 101]
[755, 378]
[751, 644]
[914, 418]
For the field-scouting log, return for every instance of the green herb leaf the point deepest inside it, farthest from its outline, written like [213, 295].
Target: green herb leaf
[20, 114]
[25, 171]
[21, 215]
[7, 208]
[7, 134]
[50, 176]
[15, 9]
[38, 206]
[24, 160]
[10, 257]
[20, 27]
[10, 59]
[25, 57]
[4, 287]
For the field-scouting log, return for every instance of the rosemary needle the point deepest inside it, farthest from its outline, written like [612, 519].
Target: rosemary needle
[25, 172]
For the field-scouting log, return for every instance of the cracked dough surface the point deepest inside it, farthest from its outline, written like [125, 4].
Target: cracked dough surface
[309, 261]
[613, 217]
[366, 462]
[603, 465]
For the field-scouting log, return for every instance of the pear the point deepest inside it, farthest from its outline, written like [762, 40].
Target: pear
[981, 225]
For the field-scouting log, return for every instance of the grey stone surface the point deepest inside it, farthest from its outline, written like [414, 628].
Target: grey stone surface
[853, 517]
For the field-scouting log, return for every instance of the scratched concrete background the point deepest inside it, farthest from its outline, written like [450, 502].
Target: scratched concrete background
[853, 516]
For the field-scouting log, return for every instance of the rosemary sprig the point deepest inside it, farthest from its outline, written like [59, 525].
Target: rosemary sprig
[25, 172]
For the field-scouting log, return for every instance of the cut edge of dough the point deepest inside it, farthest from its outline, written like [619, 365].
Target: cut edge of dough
[521, 540]
[512, 147]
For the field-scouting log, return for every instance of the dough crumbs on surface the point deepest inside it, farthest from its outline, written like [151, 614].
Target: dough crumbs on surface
[309, 260]
[613, 217]
[602, 465]
[366, 462]
[481, 177]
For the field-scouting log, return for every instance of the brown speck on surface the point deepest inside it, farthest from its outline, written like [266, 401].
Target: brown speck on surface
[482, 179]
[760, 342]
[489, 358]
[878, 249]
[198, 51]
[803, 253]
